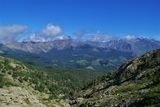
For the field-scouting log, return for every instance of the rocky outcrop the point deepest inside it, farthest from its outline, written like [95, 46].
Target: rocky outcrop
[18, 97]
[136, 83]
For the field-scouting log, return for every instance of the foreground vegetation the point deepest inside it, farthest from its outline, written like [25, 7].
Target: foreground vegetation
[56, 83]
[135, 84]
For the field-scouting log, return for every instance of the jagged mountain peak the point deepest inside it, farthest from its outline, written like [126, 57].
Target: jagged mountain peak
[137, 45]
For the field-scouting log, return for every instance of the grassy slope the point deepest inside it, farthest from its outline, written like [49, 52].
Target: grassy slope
[56, 84]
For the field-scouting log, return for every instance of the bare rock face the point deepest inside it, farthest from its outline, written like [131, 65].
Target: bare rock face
[139, 65]
[18, 97]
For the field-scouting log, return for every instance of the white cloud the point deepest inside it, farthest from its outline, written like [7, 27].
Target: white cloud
[35, 38]
[49, 33]
[101, 37]
[130, 37]
[10, 32]
[51, 30]
[78, 35]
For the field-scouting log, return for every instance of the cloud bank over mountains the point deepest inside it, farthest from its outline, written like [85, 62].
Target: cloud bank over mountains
[14, 33]
[51, 30]
[49, 33]
[9, 33]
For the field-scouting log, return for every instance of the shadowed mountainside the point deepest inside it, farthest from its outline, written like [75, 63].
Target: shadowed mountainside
[136, 83]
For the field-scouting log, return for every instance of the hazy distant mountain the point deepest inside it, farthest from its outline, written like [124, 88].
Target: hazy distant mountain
[135, 45]
[69, 53]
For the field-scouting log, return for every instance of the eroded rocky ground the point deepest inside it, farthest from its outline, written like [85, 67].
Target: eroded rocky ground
[136, 83]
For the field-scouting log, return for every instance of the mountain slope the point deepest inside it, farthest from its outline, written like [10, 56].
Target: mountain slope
[136, 83]
[14, 91]
[23, 85]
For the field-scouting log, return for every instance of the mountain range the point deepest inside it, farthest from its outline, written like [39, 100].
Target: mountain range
[137, 45]
[89, 54]
[135, 84]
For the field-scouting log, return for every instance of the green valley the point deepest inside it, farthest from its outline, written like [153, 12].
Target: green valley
[50, 86]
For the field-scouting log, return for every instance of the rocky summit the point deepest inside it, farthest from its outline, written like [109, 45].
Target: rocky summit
[135, 84]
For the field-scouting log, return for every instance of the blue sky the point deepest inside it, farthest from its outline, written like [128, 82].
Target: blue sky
[114, 17]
